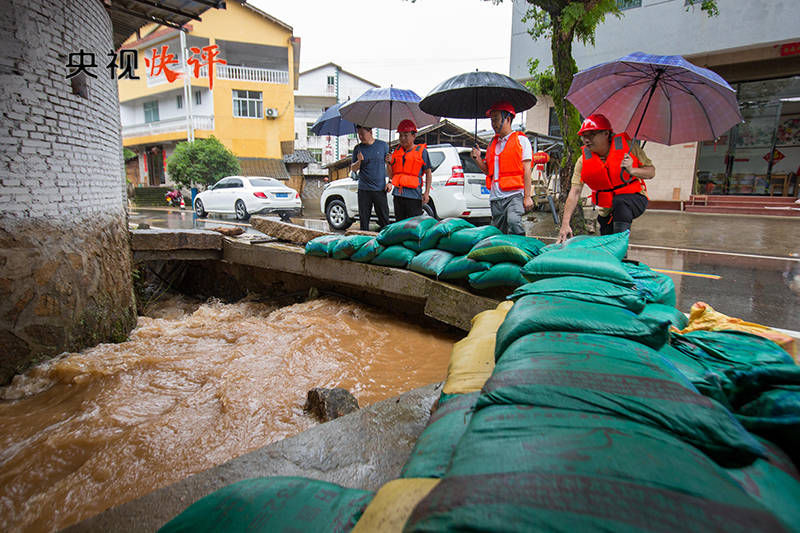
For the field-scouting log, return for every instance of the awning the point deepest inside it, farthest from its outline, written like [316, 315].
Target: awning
[127, 16]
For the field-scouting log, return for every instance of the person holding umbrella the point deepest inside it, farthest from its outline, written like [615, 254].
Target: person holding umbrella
[369, 162]
[407, 164]
[508, 170]
[615, 169]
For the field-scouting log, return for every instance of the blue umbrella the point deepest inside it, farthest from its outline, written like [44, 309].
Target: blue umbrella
[331, 123]
[386, 107]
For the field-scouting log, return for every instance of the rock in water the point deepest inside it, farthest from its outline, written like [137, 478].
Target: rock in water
[327, 404]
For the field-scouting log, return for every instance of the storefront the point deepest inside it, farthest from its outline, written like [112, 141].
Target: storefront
[760, 156]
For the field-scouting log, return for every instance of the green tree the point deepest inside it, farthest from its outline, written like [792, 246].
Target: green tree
[202, 162]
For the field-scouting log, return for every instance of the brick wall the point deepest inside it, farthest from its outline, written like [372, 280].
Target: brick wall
[61, 174]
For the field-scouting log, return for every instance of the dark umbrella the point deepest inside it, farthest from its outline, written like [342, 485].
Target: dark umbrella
[386, 107]
[331, 123]
[663, 99]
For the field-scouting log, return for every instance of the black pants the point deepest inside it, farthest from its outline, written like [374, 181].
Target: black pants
[366, 199]
[406, 207]
[624, 208]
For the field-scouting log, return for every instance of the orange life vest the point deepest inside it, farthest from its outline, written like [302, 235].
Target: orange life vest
[406, 166]
[511, 172]
[607, 178]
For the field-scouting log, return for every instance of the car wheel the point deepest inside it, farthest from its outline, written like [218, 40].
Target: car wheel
[198, 208]
[336, 213]
[241, 210]
[429, 209]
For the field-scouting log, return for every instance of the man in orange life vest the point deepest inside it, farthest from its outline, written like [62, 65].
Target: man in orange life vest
[407, 164]
[508, 171]
[615, 169]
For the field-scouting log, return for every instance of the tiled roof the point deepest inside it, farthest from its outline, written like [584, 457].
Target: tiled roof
[299, 156]
[264, 166]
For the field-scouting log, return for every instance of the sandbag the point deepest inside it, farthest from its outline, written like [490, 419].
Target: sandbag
[272, 504]
[443, 228]
[321, 246]
[584, 289]
[611, 376]
[430, 262]
[666, 313]
[775, 415]
[348, 245]
[488, 322]
[577, 262]
[394, 256]
[461, 267]
[368, 251]
[410, 229]
[707, 381]
[498, 275]
[414, 245]
[616, 244]
[654, 287]
[434, 447]
[728, 349]
[506, 249]
[461, 241]
[522, 469]
[392, 505]
[534, 313]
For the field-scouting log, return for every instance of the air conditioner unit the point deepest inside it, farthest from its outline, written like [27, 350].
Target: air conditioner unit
[271, 112]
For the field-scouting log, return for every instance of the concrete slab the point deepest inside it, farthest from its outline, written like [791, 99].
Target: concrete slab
[454, 305]
[176, 239]
[361, 450]
[272, 256]
[284, 231]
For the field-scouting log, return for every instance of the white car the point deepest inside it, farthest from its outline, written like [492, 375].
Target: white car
[458, 190]
[245, 196]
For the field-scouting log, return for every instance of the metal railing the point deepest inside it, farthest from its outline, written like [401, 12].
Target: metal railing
[235, 73]
[170, 125]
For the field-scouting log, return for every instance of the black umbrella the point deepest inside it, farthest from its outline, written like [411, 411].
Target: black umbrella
[471, 94]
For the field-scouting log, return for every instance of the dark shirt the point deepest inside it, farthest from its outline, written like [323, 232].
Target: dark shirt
[372, 174]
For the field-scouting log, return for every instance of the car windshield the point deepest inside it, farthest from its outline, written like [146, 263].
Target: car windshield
[263, 182]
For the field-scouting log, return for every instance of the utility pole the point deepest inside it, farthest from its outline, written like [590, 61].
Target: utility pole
[187, 88]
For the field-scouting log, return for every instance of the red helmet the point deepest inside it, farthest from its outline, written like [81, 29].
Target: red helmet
[501, 106]
[406, 125]
[595, 122]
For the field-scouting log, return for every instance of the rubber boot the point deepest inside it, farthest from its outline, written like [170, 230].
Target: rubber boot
[619, 227]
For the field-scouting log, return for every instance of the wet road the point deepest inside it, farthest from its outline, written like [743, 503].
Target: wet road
[746, 267]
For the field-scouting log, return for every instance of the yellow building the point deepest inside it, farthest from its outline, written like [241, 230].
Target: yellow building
[250, 107]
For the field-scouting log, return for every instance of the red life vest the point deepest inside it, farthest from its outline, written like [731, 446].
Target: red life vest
[406, 166]
[607, 178]
[511, 172]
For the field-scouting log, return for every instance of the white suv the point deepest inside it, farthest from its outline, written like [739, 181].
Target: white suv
[458, 190]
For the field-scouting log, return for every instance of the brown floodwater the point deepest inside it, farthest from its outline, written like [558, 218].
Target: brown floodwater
[193, 387]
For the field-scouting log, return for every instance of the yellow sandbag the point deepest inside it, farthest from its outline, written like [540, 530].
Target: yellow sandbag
[704, 317]
[472, 358]
[392, 505]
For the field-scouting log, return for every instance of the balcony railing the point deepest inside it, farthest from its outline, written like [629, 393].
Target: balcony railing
[170, 125]
[236, 73]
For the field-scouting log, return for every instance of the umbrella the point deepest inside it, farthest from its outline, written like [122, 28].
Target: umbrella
[385, 108]
[663, 99]
[331, 123]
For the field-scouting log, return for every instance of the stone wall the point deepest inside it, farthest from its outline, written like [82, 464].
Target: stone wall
[64, 259]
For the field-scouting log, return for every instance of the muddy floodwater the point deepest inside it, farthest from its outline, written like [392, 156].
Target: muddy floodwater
[195, 386]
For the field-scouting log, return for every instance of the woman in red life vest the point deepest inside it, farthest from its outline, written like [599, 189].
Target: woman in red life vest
[406, 166]
[614, 169]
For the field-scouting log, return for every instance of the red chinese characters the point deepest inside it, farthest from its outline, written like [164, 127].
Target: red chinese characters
[208, 56]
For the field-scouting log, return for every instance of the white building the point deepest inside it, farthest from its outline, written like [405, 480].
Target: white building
[754, 46]
[318, 89]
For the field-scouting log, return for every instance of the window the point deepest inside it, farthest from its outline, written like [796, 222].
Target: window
[308, 129]
[198, 98]
[553, 127]
[628, 4]
[235, 184]
[317, 153]
[263, 182]
[151, 111]
[247, 104]
[179, 101]
[331, 80]
[437, 158]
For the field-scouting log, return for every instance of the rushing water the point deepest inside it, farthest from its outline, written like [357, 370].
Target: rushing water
[194, 386]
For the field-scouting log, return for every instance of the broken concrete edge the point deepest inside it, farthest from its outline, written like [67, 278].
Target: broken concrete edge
[285, 231]
[362, 450]
[187, 239]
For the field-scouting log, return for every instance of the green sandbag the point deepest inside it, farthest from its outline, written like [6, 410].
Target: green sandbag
[708, 382]
[584, 289]
[654, 287]
[595, 264]
[368, 251]
[667, 313]
[775, 415]
[415, 246]
[746, 383]
[410, 229]
[616, 244]
[435, 446]
[430, 262]
[321, 246]
[774, 483]
[722, 350]
[506, 249]
[499, 275]
[460, 242]
[274, 504]
[394, 256]
[443, 228]
[610, 376]
[345, 247]
[522, 469]
[461, 267]
[552, 313]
